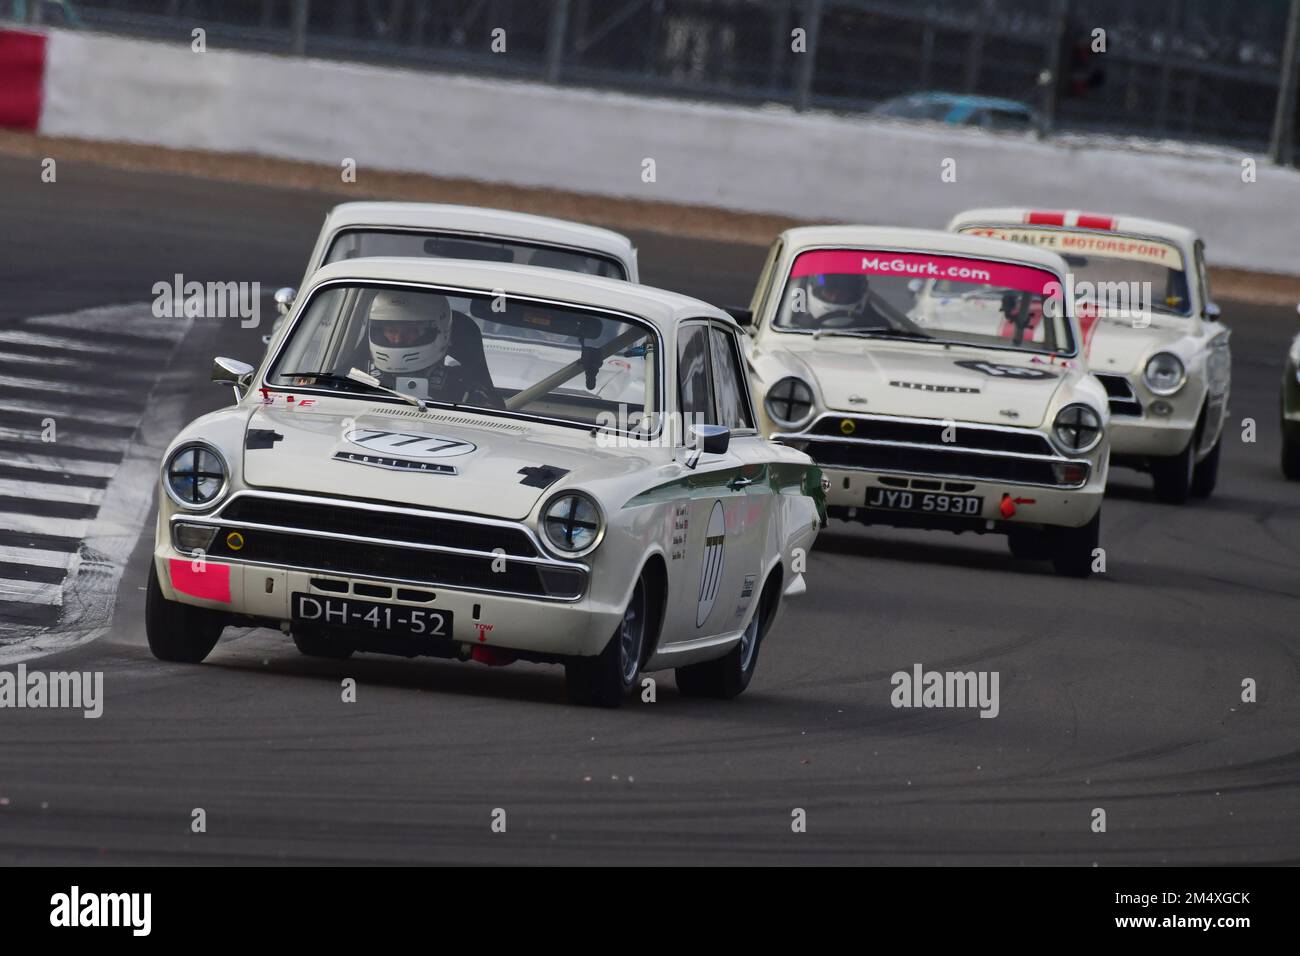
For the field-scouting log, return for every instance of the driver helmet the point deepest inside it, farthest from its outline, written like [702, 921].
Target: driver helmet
[408, 331]
[830, 292]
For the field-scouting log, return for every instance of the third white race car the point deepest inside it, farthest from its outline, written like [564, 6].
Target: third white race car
[1151, 333]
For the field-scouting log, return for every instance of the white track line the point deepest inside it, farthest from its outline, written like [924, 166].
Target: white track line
[33, 435]
[73, 409]
[49, 491]
[38, 557]
[86, 386]
[30, 592]
[59, 466]
[40, 524]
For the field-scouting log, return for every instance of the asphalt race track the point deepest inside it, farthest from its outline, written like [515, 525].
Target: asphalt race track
[1122, 692]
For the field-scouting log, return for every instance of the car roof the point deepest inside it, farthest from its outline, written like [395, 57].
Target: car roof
[477, 219]
[661, 307]
[1076, 219]
[928, 240]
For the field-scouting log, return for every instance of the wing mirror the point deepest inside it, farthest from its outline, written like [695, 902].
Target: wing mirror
[232, 372]
[284, 299]
[711, 439]
[1212, 311]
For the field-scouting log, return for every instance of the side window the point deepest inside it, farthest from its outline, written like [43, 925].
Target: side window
[693, 385]
[729, 380]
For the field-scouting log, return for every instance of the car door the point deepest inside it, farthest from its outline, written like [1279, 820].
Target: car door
[714, 501]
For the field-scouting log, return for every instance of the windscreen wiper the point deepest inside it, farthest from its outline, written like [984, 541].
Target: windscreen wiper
[356, 377]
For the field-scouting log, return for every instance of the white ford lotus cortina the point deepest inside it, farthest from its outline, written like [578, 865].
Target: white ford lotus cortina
[355, 230]
[938, 380]
[377, 487]
[1151, 332]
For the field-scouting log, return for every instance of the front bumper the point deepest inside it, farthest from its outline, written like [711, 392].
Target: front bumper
[1023, 481]
[500, 586]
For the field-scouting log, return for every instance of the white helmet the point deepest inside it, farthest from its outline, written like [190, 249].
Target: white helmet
[409, 331]
[834, 292]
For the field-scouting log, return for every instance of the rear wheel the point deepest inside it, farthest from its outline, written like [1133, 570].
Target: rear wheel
[178, 632]
[1072, 548]
[1173, 475]
[315, 642]
[728, 676]
[1206, 474]
[1291, 456]
[606, 679]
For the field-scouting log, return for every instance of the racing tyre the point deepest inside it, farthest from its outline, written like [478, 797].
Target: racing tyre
[1072, 548]
[1206, 475]
[728, 676]
[606, 679]
[178, 632]
[1173, 476]
[315, 642]
[1029, 545]
[1291, 457]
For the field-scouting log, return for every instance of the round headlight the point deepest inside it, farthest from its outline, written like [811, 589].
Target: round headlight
[572, 523]
[789, 402]
[1164, 373]
[1077, 429]
[195, 475]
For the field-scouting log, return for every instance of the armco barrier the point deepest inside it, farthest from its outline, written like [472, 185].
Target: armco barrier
[811, 166]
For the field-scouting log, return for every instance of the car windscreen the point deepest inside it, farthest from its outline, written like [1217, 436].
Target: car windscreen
[925, 297]
[369, 243]
[1150, 271]
[473, 350]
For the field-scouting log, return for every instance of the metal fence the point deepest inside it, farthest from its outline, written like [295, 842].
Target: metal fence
[1188, 69]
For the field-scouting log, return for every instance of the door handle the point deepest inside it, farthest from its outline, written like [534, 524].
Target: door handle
[735, 484]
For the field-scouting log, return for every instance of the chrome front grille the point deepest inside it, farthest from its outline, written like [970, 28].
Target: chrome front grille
[917, 447]
[390, 543]
[1123, 400]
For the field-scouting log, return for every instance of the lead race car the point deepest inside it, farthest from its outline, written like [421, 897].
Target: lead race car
[450, 515]
[939, 382]
[1152, 333]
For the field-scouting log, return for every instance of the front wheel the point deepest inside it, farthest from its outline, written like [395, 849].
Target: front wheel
[728, 676]
[1173, 476]
[1206, 474]
[1072, 548]
[606, 679]
[178, 632]
[1291, 456]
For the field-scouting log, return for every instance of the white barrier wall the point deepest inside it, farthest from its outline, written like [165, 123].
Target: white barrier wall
[814, 167]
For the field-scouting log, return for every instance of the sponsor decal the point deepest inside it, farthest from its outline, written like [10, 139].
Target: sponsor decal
[409, 444]
[1011, 372]
[923, 266]
[681, 524]
[1108, 246]
[273, 398]
[715, 539]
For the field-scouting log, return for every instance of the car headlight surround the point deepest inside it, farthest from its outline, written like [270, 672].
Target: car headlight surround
[1164, 373]
[572, 524]
[196, 476]
[1077, 429]
[789, 402]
